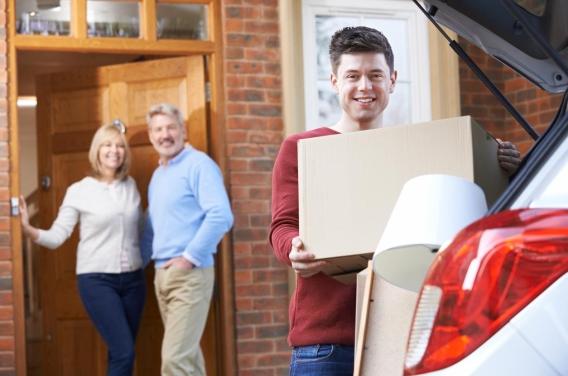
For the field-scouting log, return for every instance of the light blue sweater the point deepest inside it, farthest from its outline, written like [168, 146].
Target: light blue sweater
[189, 211]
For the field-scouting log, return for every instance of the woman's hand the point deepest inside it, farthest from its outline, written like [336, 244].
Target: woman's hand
[24, 215]
[28, 229]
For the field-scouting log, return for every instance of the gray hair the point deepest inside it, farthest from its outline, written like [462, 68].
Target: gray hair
[165, 109]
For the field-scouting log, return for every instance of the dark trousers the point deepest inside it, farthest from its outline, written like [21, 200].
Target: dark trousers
[114, 303]
[322, 360]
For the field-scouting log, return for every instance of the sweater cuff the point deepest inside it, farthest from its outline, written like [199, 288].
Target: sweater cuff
[191, 259]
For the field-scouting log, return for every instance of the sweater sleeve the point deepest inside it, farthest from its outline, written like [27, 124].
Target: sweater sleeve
[63, 225]
[218, 218]
[285, 221]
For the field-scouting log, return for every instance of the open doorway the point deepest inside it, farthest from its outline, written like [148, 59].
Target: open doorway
[75, 93]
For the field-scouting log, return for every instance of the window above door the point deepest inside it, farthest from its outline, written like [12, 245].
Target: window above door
[115, 23]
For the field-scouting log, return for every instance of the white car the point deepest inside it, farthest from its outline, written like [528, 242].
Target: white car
[495, 301]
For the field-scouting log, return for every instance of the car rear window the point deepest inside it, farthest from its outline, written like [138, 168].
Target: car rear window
[536, 7]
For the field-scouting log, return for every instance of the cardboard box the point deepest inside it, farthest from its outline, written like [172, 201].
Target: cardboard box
[389, 313]
[349, 183]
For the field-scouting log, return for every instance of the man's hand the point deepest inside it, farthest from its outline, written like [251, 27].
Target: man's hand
[303, 261]
[508, 156]
[179, 262]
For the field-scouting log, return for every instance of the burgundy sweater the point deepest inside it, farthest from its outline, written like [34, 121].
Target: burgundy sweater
[322, 310]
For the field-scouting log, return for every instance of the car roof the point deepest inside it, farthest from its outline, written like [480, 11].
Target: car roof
[500, 31]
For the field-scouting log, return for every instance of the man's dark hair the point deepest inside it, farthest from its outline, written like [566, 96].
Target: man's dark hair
[359, 39]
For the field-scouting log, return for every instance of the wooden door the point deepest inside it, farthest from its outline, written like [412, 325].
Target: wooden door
[71, 106]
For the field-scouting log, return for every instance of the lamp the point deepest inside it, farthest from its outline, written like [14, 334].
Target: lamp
[429, 211]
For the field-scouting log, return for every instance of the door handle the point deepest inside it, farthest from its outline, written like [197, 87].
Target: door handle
[45, 182]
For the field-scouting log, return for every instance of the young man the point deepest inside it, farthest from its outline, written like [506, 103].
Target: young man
[322, 310]
[189, 212]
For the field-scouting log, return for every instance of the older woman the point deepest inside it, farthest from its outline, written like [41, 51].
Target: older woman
[109, 264]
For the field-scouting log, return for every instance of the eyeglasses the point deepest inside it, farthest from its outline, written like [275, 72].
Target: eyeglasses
[119, 125]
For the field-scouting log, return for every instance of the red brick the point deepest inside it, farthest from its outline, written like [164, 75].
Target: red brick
[241, 277]
[260, 192]
[261, 54]
[234, 25]
[273, 359]
[6, 328]
[247, 361]
[258, 234]
[6, 298]
[6, 313]
[252, 262]
[245, 332]
[237, 136]
[256, 178]
[280, 289]
[250, 318]
[243, 304]
[239, 165]
[269, 303]
[234, 80]
[255, 347]
[264, 81]
[7, 359]
[6, 343]
[244, 95]
[270, 275]
[270, 331]
[258, 372]
[265, 137]
[260, 220]
[270, 27]
[237, 109]
[279, 316]
[243, 40]
[244, 68]
[265, 110]
[241, 220]
[255, 290]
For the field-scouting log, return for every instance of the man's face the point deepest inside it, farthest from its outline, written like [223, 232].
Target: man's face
[166, 135]
[363, 83]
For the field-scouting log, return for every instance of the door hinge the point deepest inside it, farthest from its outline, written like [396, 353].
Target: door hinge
[208, 92]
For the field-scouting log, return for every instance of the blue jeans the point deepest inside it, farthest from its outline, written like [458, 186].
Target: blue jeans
[114, 303]
[322, 360]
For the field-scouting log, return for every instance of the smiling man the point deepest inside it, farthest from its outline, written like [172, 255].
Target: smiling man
[322, 310]
[189, 212]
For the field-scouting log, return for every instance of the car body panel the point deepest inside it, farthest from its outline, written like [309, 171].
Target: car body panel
[489, 25]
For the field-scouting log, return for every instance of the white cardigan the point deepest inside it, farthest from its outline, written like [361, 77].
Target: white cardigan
[109, 217]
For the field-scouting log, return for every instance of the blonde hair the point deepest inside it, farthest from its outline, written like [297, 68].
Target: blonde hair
[165, 109]
[103, 134]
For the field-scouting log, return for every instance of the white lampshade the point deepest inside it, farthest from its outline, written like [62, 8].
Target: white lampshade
[430, 210]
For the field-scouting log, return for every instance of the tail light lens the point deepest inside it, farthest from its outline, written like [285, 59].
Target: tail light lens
[492, 269]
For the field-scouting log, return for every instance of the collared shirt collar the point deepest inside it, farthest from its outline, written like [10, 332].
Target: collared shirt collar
[179, 157]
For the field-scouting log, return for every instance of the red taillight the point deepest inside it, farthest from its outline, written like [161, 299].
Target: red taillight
[492, 269]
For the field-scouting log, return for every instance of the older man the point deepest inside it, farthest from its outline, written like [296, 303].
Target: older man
[189, 212]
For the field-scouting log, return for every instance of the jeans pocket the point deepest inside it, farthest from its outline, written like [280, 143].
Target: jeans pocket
[316, 353]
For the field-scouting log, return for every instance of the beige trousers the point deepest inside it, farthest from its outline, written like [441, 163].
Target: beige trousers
[184, 297]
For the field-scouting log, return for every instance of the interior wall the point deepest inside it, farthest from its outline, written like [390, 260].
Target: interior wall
[28, 150]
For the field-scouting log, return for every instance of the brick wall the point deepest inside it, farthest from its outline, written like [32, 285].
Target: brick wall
[537, 106]
[7, 340]
[254, 133]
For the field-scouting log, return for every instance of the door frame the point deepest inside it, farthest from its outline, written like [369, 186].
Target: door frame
[214, 51]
